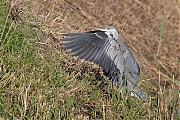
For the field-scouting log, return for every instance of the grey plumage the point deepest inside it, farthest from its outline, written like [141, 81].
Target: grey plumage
[106, 48]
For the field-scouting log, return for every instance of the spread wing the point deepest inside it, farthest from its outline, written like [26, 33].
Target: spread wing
[100, 48]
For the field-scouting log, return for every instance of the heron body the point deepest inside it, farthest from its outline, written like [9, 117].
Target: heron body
[106, 48]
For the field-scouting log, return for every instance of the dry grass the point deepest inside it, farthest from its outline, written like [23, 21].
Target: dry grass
[150, 28]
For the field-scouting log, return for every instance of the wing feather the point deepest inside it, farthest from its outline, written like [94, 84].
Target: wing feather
[97, 47]
[78, 48]
[87, 53]
[91, 49]
[101, 58]
[81, 52]
[131, 68]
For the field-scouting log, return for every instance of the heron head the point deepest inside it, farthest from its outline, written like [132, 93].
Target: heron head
[110, 31]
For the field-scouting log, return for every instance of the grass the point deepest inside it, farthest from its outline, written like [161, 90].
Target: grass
[35, 83]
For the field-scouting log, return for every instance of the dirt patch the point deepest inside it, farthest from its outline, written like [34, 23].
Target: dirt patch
[135, 20]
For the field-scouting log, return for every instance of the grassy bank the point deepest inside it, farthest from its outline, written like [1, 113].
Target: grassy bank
[35, 82]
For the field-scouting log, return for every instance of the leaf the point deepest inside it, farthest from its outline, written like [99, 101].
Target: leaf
[69, 102]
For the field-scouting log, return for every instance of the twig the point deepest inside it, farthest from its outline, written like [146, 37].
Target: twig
[83, 12]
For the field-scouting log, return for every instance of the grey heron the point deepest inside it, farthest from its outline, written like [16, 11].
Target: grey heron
[105, 48]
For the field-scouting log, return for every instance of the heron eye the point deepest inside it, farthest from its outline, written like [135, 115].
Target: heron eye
[111, 34]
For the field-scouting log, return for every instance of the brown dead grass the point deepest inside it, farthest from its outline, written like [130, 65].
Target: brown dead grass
[130, 18]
